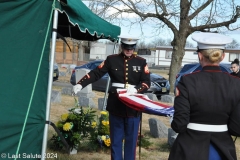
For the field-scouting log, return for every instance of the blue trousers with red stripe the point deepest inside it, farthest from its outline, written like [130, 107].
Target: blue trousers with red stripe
[123, 128]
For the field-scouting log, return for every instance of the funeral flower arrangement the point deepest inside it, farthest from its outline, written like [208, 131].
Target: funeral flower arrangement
[101, 133]
[74, 126]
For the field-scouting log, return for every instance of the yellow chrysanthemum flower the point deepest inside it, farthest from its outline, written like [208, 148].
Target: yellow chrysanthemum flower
[64, 116]
[94, 124]
[103, 138]
[107, 142]
[103, 112]
[67, 126]
[105, 123]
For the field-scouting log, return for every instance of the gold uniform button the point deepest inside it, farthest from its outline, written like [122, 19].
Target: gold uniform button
[126, 73]
[126, 78]
[126, 64]
[125, 60]
[116, 69]
[126, 69]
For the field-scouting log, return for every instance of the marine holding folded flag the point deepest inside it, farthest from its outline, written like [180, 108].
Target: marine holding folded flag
[129, 71]
[207, 106]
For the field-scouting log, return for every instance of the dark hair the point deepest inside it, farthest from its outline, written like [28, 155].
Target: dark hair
[236, 61]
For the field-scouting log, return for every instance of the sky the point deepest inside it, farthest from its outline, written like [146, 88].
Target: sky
[148, 33]
[150, 36]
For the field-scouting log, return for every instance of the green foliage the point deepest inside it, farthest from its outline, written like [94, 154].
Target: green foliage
[75, 126]
[103, 124]
[100, 135]
[145, 143]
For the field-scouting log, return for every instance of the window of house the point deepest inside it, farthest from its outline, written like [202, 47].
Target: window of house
[233, 56]
[168, 55]
[144, 52]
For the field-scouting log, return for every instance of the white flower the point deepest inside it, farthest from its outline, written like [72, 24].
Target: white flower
[77, 110]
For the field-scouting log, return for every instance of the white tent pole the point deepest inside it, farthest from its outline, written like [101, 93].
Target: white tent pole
[108, 82]
[50, 80]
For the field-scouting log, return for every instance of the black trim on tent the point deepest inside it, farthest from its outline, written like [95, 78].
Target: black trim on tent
[66, 29]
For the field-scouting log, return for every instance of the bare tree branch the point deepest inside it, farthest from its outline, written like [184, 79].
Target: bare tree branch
[199, 9]
[234, 44]
[226, 23]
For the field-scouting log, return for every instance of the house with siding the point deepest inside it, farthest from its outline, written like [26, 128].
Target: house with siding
[163, 55]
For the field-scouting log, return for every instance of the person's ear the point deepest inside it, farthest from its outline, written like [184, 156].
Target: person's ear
[200, 56]
[223, 55]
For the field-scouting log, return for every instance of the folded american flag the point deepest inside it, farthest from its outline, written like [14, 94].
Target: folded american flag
[141, 102]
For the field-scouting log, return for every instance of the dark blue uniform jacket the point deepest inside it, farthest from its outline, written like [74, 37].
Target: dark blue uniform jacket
[124, 70]
[208, 97]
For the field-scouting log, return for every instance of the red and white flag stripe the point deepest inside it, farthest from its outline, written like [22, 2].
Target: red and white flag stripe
[141, 102]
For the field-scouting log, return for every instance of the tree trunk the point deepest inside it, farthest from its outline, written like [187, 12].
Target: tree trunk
[176, 63]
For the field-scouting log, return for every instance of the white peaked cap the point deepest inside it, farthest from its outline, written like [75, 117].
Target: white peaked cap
[207, 40]
[128, 39]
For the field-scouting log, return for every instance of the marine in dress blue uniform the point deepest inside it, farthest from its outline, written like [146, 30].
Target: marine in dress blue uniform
[207, 107]
[126, 70]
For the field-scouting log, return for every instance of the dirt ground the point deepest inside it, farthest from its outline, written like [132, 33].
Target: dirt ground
[159, 149]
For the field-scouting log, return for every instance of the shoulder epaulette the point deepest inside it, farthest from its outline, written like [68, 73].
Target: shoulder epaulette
[140, 57]
[113, 55]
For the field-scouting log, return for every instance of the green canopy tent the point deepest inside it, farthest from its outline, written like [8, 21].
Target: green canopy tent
[26, 78]
[75, 17]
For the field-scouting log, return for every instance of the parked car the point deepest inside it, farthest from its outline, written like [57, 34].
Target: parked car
[159, 85]
[193, 67]
[55, 72]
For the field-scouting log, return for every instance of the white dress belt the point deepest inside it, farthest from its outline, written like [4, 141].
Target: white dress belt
[122, 85]
[207, 127]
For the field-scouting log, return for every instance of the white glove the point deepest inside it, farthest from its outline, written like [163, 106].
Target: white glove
[77, 88]
[131, 90]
